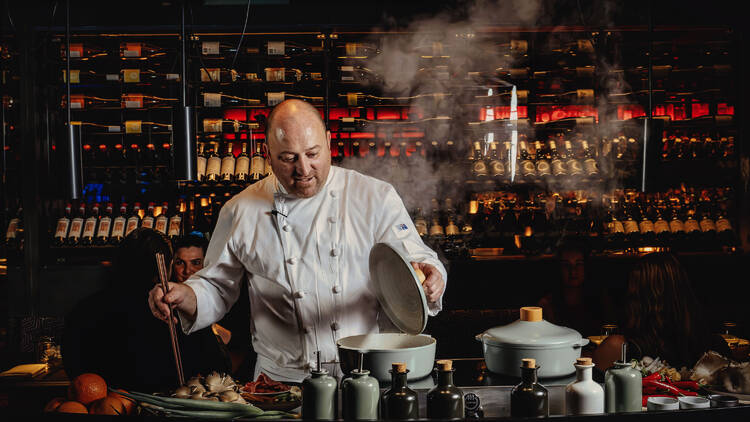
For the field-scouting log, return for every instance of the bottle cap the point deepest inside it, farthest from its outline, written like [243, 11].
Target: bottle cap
[531, 313]
[399, 367]
[584, 361]
[528, 363]
[445, 365]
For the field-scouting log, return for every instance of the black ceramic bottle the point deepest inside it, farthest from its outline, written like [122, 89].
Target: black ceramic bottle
[529, 398]
[399, 402]
[445, 401]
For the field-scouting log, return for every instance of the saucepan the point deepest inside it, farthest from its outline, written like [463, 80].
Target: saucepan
[380, 350]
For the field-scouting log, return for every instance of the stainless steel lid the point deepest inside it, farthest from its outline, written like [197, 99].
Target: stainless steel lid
[398, 289]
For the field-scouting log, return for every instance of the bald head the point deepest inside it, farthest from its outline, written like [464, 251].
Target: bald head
[298, 147]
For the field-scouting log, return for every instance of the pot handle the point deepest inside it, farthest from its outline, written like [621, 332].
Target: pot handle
[583, 342]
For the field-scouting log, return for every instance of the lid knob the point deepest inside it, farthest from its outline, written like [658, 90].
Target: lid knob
[399, 367]
[528, 363]
[584, 361]
[445, 365]
[531, 313]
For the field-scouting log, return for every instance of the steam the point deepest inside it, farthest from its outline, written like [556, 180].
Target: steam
[430, 60]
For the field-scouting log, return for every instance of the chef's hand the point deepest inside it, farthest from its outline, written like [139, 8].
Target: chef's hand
[180, 297]
[433, 284]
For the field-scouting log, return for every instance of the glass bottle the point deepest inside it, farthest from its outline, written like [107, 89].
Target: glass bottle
[62, 226]
[201, 163]
[242, 166]
[478, 165]
[542, 156]
[134, 220]
[573, 165]
[174, 228]
[496, 166]
[89, 226]
[162, 220]
[257, 164]
[76, 226]
[118, 225]
[227, 165]
[445, 401]
[399, 402]
[149, 218]
[528, 169]
[529, 398]
[213, 164]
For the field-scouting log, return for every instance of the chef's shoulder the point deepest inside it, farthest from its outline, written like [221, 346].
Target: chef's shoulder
[253, 200]
[367, 189]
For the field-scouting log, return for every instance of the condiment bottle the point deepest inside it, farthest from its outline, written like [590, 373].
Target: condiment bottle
[400, 401]
[445, 401]
[319, 395]
[584, 395]
[529, 398]
[360, 395]
[622, 387]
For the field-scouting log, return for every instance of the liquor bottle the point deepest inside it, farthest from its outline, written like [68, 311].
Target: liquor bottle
[118, 225]
[89, 226]
[590, 166]
[149, 219]
[726, 236]
[479, 169]
[289, 48]
[661, 228]
[175, 226]
[218, 75]
[134, 220]
[139, 101]
[646, 227]
[445, 401]
[357, 50]
[615, 228]
[76, 226]
[528, 169]
[62, 227]
[542, 156]
[707, 224]
[529, 398]
[162, 220]
[216, 49]
[105, 224]
[242, 166]
[139, 50]
[82, 51]
[201, 161]
[436, 232]
[630, 224]
[360, 74]
[213, 164]
[399, 402]
[556, 162]
[86, 102]
[216, 100]
[495, 164]
[692, 228]
[677, 234]
[573, 165]
[227, 165]
[420, 224]
[257, 164]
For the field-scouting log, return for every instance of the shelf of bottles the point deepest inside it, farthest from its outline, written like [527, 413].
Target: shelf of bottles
[10, 162]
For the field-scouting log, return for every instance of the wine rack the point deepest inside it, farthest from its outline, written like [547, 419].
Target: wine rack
[11, 204]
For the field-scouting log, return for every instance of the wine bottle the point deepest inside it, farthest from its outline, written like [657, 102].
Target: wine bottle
[573, 165]
[527, 167]
[227, 165]
[496, 166]
[590, 166]
[118, 225]
[62, 226]
[420, 224]
[76, 226]
[242, 166]
[139, 50]
[218, 75]
[162, 220]
[149, 219]
[257, 164]
[213, 164]
[89, 226]
[138, 101]
[134, 220]
[556, 161]
[542, 156]
[175, 227]
[201, 163]
[646, 227]
[479, 169]
[82, 102]
[215, 100]
[82, 51]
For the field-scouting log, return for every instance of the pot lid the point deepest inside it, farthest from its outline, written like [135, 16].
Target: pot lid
[531, 331]
[398, 289]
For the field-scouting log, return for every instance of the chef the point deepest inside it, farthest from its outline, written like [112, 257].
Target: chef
[301, 238]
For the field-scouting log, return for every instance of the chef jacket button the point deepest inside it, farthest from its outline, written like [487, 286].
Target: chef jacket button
[336, 288]
[335, 326]
[335, 251]
[287, 228]
[334, 193]
[299, 294]
[332, 220]
[292, 261]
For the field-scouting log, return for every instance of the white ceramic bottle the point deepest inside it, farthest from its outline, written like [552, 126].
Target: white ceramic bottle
[584, 395]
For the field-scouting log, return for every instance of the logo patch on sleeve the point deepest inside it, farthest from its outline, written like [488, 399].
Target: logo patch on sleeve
[400, 230]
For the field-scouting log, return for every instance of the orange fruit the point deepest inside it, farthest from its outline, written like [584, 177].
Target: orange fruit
[72, 407]
[126, 402]
[107, 406]
[53, 404]
[87, 388]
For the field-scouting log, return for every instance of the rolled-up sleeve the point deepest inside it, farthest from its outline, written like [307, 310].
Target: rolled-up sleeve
[395, 227]
[217, 285]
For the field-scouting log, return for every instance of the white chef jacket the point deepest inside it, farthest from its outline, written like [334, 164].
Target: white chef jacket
[306, 264]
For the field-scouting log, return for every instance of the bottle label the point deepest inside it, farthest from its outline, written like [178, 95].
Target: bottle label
[77, 102]
[76, 226]
[113, 77]
[707, 225]
[210, 75]
[242, 166]
[691, 225]
[543, 168]
[133, 126]
[132, 225]
[104, 224]
[723, 224]
[519, 46]
[173, 76]
[133, 101]
[161, 224]
[118, 228]
[267, 170]
[132, 49]
[585, 95]
[646, 226]
[114, 129]
[528, 168]
[497, 169]
[275, 48]
[174, 225]
[558, 167]
[62, 227]
[574, 167]
[479, 168]
[213, 166]
[227, 167]
[12, 228]
[89, 227]
[275, 74]
[451, 229]
[661, 226]
[76, 51]
[616, 226]
[210, 48]
[590, 166]
[436, 230]
[676, 226]
[211, 99]
[131, 75]
[257, 165]
[275, 98]
[148, 222]
[212, 125]
[75, 76]
[421, 227]
[201, 167]
[631, 226]
[351, 48]
[352, 99]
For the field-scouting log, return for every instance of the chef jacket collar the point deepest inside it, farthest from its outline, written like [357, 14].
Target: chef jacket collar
[281, 193]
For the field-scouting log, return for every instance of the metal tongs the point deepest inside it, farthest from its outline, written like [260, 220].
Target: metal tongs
[163, 277]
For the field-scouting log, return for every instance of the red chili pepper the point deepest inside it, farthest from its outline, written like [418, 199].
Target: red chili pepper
[644, 401]
[670, 388]
[687, 385]
[654, 376]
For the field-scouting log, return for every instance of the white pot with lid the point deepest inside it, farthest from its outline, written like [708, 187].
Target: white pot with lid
[554, 347]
